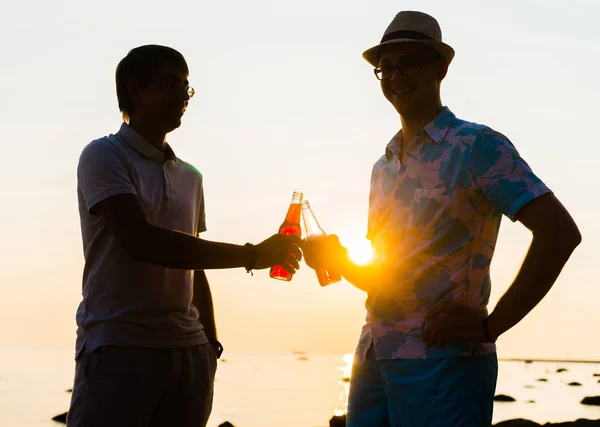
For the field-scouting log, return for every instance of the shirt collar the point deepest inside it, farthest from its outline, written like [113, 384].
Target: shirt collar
[142, 146]
[393, 147]
[439, 127]
[436, 129]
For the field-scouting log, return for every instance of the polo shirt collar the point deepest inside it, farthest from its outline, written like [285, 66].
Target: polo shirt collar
[142, 146]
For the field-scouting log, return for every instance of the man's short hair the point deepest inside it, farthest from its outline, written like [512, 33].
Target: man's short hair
[138, 66]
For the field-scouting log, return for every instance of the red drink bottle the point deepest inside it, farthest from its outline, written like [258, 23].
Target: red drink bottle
[314, 231]
[291, 225]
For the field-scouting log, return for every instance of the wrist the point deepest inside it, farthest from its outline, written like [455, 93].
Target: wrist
[250, 257]
[343, 259]
[217, 347]
[489, 330]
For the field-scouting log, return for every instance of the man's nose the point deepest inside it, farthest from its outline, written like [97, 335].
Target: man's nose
[396, 75]
[184, 94]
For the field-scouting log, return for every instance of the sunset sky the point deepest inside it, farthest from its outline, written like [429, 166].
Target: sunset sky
[284, 101]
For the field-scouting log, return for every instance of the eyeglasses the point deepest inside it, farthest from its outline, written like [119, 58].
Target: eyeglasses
[173, 84]
[405, 67]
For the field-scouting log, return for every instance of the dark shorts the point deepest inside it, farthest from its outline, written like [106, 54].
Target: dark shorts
[449, 392]
[143, 387]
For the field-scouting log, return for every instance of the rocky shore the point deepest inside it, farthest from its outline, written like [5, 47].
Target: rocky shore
[340, 421]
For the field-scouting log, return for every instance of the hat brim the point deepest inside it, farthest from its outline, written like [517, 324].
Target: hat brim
[372, 55]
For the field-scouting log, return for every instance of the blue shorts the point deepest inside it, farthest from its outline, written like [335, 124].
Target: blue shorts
[448, 392]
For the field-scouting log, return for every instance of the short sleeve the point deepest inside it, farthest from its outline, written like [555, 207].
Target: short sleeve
[102, 172]
[201, 211]
[370, 217]
[502, 175]
[374, 218]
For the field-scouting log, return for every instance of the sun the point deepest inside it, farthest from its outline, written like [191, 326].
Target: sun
[359, 250]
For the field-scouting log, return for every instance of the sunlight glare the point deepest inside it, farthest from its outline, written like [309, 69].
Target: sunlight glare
[347, 368]
[348, 358]
[360, 251]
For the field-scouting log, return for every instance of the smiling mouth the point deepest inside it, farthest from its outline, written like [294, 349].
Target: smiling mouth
[402, 91]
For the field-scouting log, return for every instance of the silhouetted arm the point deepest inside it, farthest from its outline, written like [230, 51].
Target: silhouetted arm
[555, 237]
[360, 276]
[329, 253]
[105, 185]
[126, 220]
[203, 301]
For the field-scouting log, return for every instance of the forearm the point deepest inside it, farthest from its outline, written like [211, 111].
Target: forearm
[173, 249]
[203, 301]
[360, 276]
[543, 263]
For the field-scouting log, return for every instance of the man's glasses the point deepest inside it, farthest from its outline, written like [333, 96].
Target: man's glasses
[175, 84]
[405, 66]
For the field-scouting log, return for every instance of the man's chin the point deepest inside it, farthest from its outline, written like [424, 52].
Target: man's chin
[172, 125]
[403, 110]
[410, 112]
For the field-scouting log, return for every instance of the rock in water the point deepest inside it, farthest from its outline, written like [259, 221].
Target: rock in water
[542, 380]
[338, 421]
[519, 422]
[597, 375]
[559, 370]
[574, 384]
[591, 400]
[226, 424]
[527, 423]
[579, 423]
[503, 398]
[62, 418]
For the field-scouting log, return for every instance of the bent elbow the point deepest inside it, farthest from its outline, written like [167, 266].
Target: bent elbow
[563, 236]
[134, 249]
[136, 244]
[574, 237]
[568, 237]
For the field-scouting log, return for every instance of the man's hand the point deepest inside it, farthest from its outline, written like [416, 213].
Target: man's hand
[279, 249]
[323, 251]
[447, 321]
[217, 347]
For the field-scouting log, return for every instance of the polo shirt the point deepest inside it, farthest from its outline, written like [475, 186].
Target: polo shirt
[126, 302]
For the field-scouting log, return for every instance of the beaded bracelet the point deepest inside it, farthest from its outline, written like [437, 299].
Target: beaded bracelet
[253, 257]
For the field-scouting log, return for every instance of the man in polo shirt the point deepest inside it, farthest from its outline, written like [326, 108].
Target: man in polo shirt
[426, 355]
[146, 341]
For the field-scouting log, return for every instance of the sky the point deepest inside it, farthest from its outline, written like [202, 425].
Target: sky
[284, 102]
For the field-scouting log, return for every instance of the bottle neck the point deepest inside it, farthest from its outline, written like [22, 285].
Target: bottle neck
[293, 214]
[295, 209]
[311, 225]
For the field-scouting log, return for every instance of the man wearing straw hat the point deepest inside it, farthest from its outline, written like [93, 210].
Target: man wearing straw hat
[426, 355]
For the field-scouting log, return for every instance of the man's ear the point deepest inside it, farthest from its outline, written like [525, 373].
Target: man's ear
[133, 91]
[441, 70]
